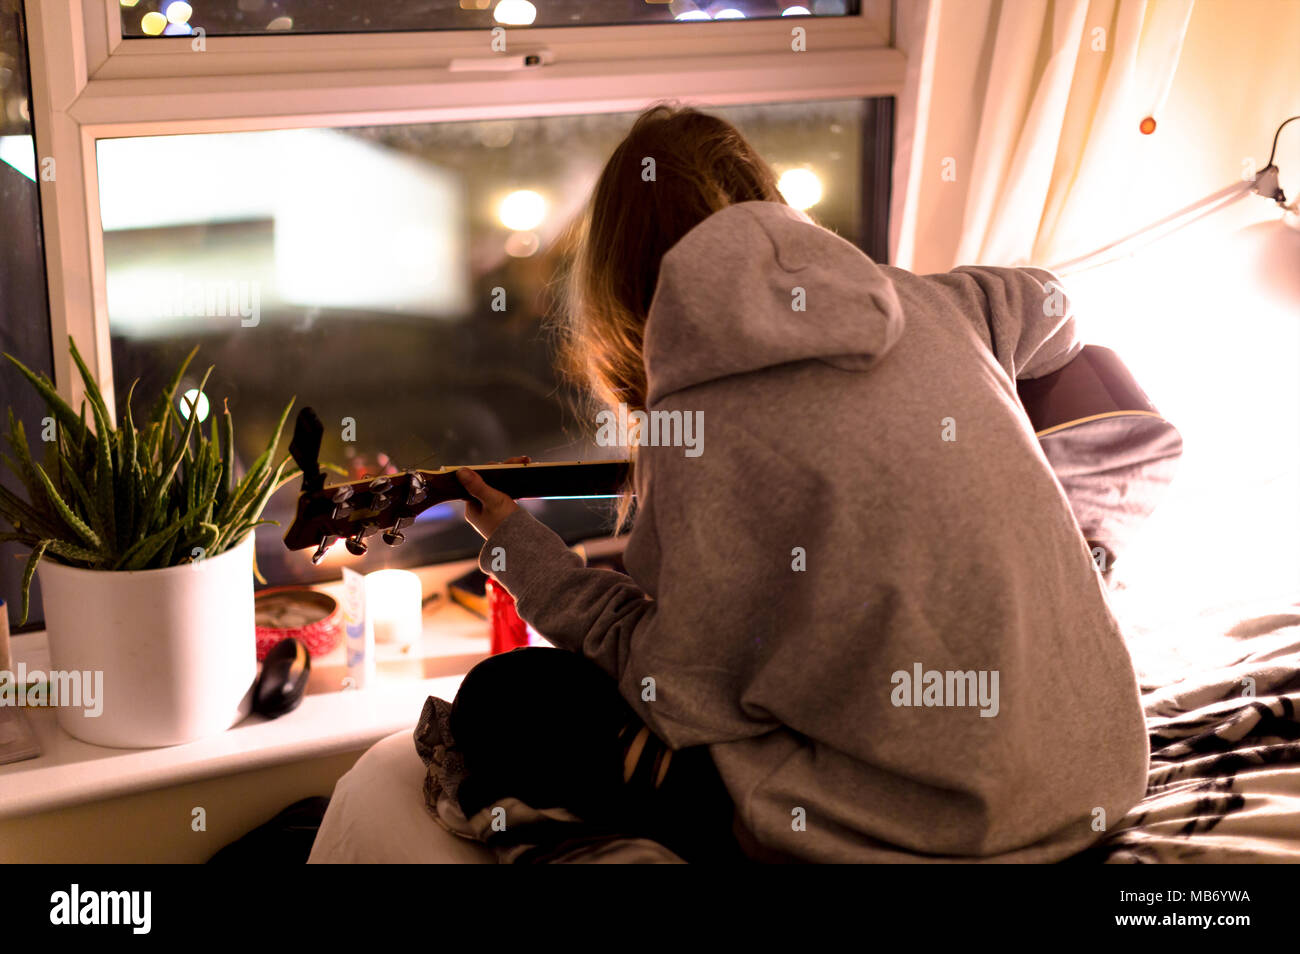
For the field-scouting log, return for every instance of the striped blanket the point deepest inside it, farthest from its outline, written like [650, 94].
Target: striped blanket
[1222, 698]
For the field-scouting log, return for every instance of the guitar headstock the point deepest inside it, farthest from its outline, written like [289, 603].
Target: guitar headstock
[353, 511]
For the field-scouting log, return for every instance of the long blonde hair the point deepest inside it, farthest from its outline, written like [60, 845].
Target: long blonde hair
[638, 211]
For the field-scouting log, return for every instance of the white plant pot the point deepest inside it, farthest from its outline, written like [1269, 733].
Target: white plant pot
[176, 647]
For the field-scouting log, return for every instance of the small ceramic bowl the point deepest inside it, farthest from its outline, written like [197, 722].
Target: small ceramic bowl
[283, 611]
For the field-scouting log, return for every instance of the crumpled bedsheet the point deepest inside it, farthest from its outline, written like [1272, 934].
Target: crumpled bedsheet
[1222, 699]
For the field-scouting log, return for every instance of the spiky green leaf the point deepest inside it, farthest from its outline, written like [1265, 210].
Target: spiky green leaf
[144, 550]
[65, 512]
[29, 571]
[45, 387]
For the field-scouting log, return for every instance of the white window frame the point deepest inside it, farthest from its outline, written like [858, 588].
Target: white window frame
[89, 83]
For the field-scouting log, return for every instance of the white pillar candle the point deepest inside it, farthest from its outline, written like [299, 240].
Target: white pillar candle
[394, 604]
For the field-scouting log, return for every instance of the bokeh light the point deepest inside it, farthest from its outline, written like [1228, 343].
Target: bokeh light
[197, 398]
[178, 11]
[802, 188]
[515, 12]
[522, 210]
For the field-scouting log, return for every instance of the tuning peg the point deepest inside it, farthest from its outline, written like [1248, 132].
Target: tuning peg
[342, 494]
[356, 543]
[394, 536]
[416, 491]
[326, 542]
[380, 484]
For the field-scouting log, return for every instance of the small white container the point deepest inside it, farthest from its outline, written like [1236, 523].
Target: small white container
[176, 646]
[395, 607]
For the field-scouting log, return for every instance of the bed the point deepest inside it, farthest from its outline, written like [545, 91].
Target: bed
[1221, 690]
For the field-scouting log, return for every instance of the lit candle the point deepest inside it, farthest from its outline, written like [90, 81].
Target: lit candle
[393, 603]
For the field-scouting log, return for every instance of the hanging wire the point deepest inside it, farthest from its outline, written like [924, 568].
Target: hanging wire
[1178, 220]
[1273, 152]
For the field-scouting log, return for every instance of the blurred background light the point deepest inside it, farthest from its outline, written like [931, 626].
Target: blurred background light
[523, 244]
[196, 398]
[522, 210]
[178, 11]
[800, 187]
[514, 13]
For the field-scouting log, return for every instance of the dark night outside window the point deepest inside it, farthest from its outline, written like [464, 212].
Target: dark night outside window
[373, 256]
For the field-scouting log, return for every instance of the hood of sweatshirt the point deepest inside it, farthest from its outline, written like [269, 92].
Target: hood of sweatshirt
[759, 284]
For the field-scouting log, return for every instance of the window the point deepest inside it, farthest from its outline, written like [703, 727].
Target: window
[350, 175]
[396, 279]
[141, 18]
[24, 308]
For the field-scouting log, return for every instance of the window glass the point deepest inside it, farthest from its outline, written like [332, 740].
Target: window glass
[24, 308]
[398, 280]
[141, 18]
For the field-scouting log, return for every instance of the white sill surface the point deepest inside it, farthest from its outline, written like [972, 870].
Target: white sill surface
[71, 772]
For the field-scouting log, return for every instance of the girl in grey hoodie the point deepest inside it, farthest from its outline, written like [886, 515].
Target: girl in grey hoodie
[862, 588]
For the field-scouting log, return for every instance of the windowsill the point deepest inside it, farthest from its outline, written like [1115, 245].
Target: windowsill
[329, 720]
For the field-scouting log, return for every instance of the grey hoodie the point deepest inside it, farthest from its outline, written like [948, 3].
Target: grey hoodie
[868, 594]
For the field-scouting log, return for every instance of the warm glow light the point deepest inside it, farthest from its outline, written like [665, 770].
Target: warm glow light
[796, 12]
[731, 13]
[515, 12]
[800, 187]
[199, 399]
[129, 3]
[178, 12]
[522, 210]
[693, 15]
[281, 23]
[1236, 481]
[393, 602]
[335, 555]
[152, 24]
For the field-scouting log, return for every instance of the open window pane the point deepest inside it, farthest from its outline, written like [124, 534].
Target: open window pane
[256, 17]
[397, 279]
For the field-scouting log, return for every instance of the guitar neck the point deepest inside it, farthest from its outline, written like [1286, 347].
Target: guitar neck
[555, 479]
[379, 503]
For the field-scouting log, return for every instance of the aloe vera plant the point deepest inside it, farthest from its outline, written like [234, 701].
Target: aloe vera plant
[132, 498]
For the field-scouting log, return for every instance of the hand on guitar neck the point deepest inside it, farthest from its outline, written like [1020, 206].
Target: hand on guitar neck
[487, 509]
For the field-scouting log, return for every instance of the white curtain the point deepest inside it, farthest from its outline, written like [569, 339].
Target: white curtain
[1017, 116]
[1034, 109]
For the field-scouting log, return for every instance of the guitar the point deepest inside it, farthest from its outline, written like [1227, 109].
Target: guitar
[1112, 451]
[389, 503]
